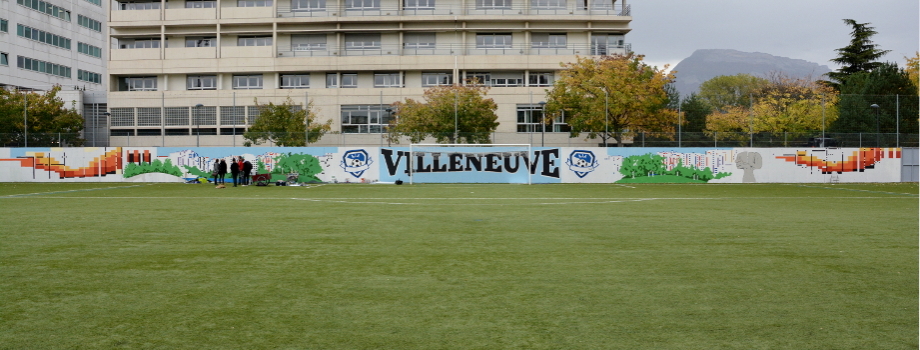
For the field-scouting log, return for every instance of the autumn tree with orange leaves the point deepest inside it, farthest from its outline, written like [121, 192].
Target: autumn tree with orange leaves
[449, 114]
[612, 97]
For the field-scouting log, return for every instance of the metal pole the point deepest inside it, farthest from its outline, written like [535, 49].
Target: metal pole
[877, 129]
[234, 119]
[543, 124]
[897, 120]
[607, 118]
[306, 117]
[751, 126]
[162, 119]
[25, 119]
[823, 123]
[456, 119]
[198, 125]
[679, 123]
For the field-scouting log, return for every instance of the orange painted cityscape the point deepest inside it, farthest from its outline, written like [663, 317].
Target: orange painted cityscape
[108, 163]
[858, 161]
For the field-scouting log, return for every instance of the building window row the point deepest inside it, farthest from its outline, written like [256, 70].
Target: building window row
[89, 76]
[90, 23]
[88, 49]
[43, 66]
[347, 80]
[42, 36]
[530, 119]
[95, 2]
[200, 4]
[139, 43]
[139, 5]
[46, 8]
[254, 3]
[365, 119]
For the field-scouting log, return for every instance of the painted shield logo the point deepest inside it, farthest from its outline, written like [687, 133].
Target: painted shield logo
[355, 162]
[581, 162]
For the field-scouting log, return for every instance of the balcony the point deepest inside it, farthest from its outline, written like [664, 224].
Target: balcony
[453, 49]
[570, 9]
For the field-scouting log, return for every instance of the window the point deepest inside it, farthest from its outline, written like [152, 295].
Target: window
[140, 5]
[139, 84]
[89, 76]
[90, 23]
[4, 59]
[493, 4]
[418, 4]
[88, 49]
[295, 81]
[491, 41]
[364, 119]
[312, 42]
[145, 43]
[362, 41]
[419, 40]
[387, 80]
[349, 80]
[308, 5]
[42, 36]
[244, 82]
[198, 41]
[362, 4]
[201, 82]
[602, 43]
[95, 2]
[4, 25]
[479, 78]
[254, 41]
[540, 79]
[530, 116]
[548, 40]
[46, 8]
[232, 115]
[43, 66]
[332, 80]
[254, 3]
[200, 4]
[437, 79]
[547, 4]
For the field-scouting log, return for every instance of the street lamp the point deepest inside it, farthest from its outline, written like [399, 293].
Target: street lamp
[198, 125]
[876, 108]
[542, 123]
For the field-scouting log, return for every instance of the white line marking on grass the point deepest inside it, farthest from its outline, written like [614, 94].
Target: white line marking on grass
[858, 190]
[70, 191]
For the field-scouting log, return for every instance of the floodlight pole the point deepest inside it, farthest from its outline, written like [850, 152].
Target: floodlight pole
[107, 115]
[542, 123]
[606, 116]
[25, 118]
[456, 118]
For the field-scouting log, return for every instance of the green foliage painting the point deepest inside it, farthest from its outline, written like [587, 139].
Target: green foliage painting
[304, 164]
[156, 166]
[650, 168]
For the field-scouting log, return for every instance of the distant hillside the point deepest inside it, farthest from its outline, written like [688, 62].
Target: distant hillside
[703, 65]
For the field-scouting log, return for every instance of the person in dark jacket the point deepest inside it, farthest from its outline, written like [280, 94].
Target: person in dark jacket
[215, 169]
[222, 172]
[234, 170]
[247, 172]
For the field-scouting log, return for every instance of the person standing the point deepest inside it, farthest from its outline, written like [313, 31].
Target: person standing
[215, 170]
[247, 172]
[222, 172]
[234, 170]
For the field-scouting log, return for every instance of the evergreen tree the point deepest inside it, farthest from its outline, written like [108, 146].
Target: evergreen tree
[888, 87]
[695, 110]
[860, 56]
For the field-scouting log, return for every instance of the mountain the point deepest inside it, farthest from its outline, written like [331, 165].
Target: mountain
[703, 65]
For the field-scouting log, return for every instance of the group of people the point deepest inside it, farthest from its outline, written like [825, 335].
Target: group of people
[240, 170]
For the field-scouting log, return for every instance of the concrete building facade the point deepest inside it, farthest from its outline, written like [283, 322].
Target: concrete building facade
[44, 43]
[189, 72]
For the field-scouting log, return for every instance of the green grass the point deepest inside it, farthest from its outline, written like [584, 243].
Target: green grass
[599, 266]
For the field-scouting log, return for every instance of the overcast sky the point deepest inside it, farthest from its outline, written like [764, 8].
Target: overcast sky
[667, 31]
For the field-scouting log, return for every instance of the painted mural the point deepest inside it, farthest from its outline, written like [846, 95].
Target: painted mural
[458, 164]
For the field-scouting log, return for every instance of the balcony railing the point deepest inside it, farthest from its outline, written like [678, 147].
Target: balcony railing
[570, 9]
[452, 49]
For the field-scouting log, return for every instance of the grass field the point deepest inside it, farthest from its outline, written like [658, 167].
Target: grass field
[600, 266]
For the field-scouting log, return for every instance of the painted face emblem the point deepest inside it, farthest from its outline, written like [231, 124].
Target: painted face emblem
[581, 162]
[355, 162]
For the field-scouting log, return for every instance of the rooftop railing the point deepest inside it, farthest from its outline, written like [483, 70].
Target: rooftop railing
[453, 10]
[317, 50]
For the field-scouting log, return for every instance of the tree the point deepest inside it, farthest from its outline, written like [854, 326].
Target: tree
[632, 92]
[913, 69]
[860, 55]
[695, 110]
[783, 105]
[451, 114]
[726, 91]
[283, 125]
[888, 87]
[49, 122]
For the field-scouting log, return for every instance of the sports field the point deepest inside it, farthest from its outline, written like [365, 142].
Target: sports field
[348, 266]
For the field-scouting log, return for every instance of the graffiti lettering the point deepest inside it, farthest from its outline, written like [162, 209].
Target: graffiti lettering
[493, 162]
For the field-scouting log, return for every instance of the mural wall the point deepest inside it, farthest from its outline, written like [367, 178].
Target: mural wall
[458, 164]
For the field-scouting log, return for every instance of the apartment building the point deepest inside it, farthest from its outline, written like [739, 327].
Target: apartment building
[188, 72]
[44, 43]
